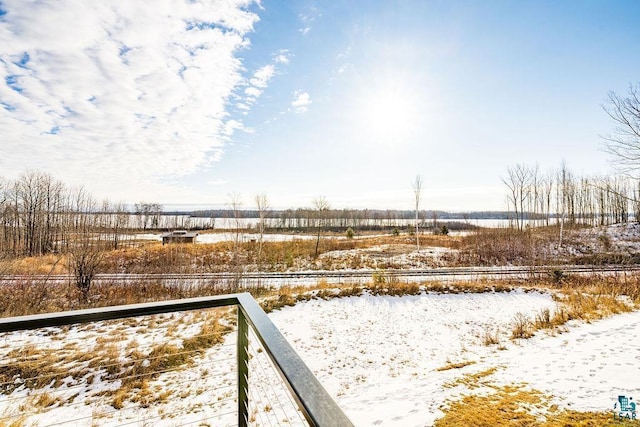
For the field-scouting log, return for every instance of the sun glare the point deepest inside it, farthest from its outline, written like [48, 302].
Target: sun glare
[388, 114]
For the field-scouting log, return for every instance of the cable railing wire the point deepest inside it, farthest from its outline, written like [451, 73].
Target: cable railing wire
[269, 372]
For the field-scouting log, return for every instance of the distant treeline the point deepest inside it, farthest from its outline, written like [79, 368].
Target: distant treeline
[371, 214]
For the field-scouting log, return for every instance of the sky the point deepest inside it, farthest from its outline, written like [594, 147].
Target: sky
[191, 103]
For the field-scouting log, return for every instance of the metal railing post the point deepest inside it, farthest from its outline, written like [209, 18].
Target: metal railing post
[243, 369]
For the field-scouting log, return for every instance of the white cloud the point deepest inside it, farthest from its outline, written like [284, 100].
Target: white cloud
[262, 76]
[253, 92]
[304, 31]
[282, 57]
[113, 94]
[301, 101]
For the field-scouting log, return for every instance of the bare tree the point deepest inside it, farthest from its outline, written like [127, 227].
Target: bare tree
[564, 197]
[84, 245]
[624, 144]
[417, 193]
[321, 206]
[518, 182]
[235, 204]
[262, 204]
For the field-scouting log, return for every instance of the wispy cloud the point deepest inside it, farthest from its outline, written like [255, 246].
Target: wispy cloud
[307, 18]
[262, 76]
[282, 56]
[301, 101]
[126, 90]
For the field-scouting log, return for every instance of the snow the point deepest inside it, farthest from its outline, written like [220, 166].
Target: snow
[585, 369]
[380, 357]
[249, 237]
[226, 237]
[390, 256]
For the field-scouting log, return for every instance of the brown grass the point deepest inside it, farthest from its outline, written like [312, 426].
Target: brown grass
[490, 336]
[36, 367]
[522, 327]
[457, 365]
[153, 257]
[500, 246]
[516, 406]
[19, 421]
[473, 380]
[513, 405]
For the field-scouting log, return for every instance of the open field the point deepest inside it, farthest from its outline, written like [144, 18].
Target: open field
[390, 354]
[554, 349]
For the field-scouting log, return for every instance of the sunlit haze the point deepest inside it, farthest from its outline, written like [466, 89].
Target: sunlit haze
[187, 102]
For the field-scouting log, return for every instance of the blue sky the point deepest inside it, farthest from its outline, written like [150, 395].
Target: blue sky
[189, 102]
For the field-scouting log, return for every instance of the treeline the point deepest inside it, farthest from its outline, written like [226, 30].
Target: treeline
[561, 196]
[364, 214]
[40, 215]
[341, 219]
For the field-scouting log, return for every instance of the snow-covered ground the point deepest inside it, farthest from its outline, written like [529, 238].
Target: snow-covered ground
[380, 355]
[386, 360]
[388, 256]
[616, 238]
[226, 237]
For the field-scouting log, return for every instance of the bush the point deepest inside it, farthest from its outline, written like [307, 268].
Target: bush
[521, 327]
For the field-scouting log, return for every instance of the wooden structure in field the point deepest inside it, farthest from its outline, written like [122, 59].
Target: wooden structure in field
[179, 236]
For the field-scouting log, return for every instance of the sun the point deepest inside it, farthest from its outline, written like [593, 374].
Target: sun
[388, 113]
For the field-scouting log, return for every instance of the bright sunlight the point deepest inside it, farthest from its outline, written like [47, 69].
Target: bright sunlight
[388, 112]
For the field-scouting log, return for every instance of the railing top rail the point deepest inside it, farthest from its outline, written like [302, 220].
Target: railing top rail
[65, 318]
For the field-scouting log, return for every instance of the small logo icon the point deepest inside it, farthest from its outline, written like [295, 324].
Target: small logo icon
[624, 409]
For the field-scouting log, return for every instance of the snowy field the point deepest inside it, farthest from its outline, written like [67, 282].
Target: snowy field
[226, 237]
[386, 360]
[379, 356]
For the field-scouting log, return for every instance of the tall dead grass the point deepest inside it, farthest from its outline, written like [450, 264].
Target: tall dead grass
[500, 246]
[31, 296]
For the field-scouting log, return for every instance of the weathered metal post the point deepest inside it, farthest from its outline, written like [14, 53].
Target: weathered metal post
[243, 369]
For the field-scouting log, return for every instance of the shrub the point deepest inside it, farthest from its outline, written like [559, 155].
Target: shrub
[543, 319]
[490, 336]
[521, 327]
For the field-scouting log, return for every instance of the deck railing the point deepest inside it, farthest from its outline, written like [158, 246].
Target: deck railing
[269, 374]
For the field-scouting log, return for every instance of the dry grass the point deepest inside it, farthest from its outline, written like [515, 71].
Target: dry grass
[583, 298]
[516, 406]
[19, 421]
[457, 365]
[111, 359]
[473, 380]
[153, 257]
[513, 405]
[31, 296]
[522, 327]
[501, 246]
[490, 336]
